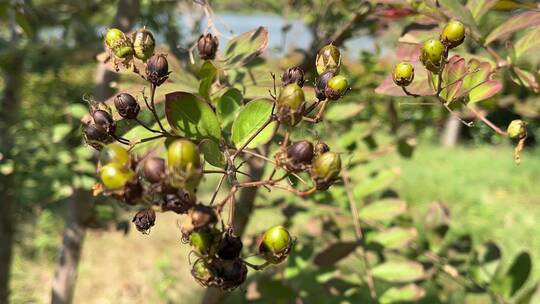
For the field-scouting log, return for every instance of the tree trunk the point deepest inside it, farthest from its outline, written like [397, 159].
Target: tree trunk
[450, 135]
[243, 211]
[9, 108]
[80, 208]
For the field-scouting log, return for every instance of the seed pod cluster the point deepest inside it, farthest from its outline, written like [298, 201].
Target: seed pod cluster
[330, 85]
[100, 130]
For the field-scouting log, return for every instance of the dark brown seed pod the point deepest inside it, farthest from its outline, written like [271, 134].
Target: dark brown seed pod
[293, 75]
[104, 121]
[230, 247]
[126, 105]
[301, 152]
[154, 170]
[207, 46]
[144, 220]
[95, 137]
[321, 84]
[177, 200]
[157, 69]
[202, 216]
[133, 192]
[321, 148]
[230, 273]
[203, 273]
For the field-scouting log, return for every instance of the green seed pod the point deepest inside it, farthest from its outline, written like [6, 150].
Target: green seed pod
[403, 74]
[328, 59]
[290, 104]
[115, 176]
[336, 87]
[453, 34]
[276, 244]
[114, 153]
[326, 169]
[205, 243]
[184, 163]
[143, 44]
[118, 43]
[517, 129]
[432, 55]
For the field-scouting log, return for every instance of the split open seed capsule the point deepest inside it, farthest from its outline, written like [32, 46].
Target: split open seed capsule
[328, 59]
[143, 44]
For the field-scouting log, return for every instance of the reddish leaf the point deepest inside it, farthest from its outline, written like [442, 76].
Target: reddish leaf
[515, 23]
[334, 253]
[525, 78]
[453, 74]
[484, 91]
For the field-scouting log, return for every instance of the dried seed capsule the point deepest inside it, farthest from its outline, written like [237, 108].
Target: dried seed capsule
[336, 87]
[95, 137]
[517, 129]
[328, 59]
[403, 74]
[207, 46]
[104, 121]
[144, 220]
[133, 192]
[293, 75]
[276, 244]
[453, 34]
[177, 200]
[154, 170]
[157, 69]
[301, 152]
[230, 273]
[114, 153]
[432, 55]
[126, 106]
[143, 44]
[326, 169]
[230, 247]
[321, 148]
[321, 84]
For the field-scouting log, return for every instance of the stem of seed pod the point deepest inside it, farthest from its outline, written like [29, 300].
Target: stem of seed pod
[145, 126]
[153, 109]
[486, 121]
[256, 267]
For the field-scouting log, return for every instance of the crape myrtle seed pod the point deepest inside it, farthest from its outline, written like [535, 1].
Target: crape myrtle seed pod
[178, 200]
[231, 273]
[453, 34]
[95, 137]
[154, 170]
[205, 242]
[143, 44]
[432, 55]
[300, 152]
[321, 83]
[517, 129]
[183, 154]
[104, 121]
[230, 247]
[113, 37]
[202, 216]
[336, 87]
[144, 220]
[157, 69]
[293, 75]
[115, 176]
[321, 148]
[328, 59]
[114, 153]
[275, 244]
[403, 74]
[325, 169]
[207, 46]
[133, 192]
[203, 273]
[290, 104]
[118, 43]
[126, 106]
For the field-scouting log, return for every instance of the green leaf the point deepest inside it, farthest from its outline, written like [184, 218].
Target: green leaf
[76, 110]
[479, 8]
[245, 47]
[208, 70]
[227, 107]
[462, 13]
[399, 271]
[484, 91]
[191, 117]
[394, 238]
[383, 210]
[525, 78]
[509, 284]
[530, 41]
[212, 153]
[407, 293]
[334, 253]
[478, 72]
[22, 21]
[60, 131]
[527, 19]
[207, 74]
[142, 149]
[250, 119]
[343, 111]
[382, 180]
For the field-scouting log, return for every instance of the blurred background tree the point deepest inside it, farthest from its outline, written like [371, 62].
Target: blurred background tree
[47, 58]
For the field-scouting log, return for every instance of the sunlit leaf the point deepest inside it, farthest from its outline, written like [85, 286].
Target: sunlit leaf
[529, 42]
[245, 47]
[399, 271]
[343, 111]
[394, 238]
[211, 152]
[511, 282]
[407, 293]
[191, 117]
[484, 91]
[383, 210]
[250, 119]
[525, 78]
[479, 8]
[59, 131]
[207, 74]
[487, 259]
[139, 132]
[228, 107]
[515, 23]
[379, 182]
[453, 75]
